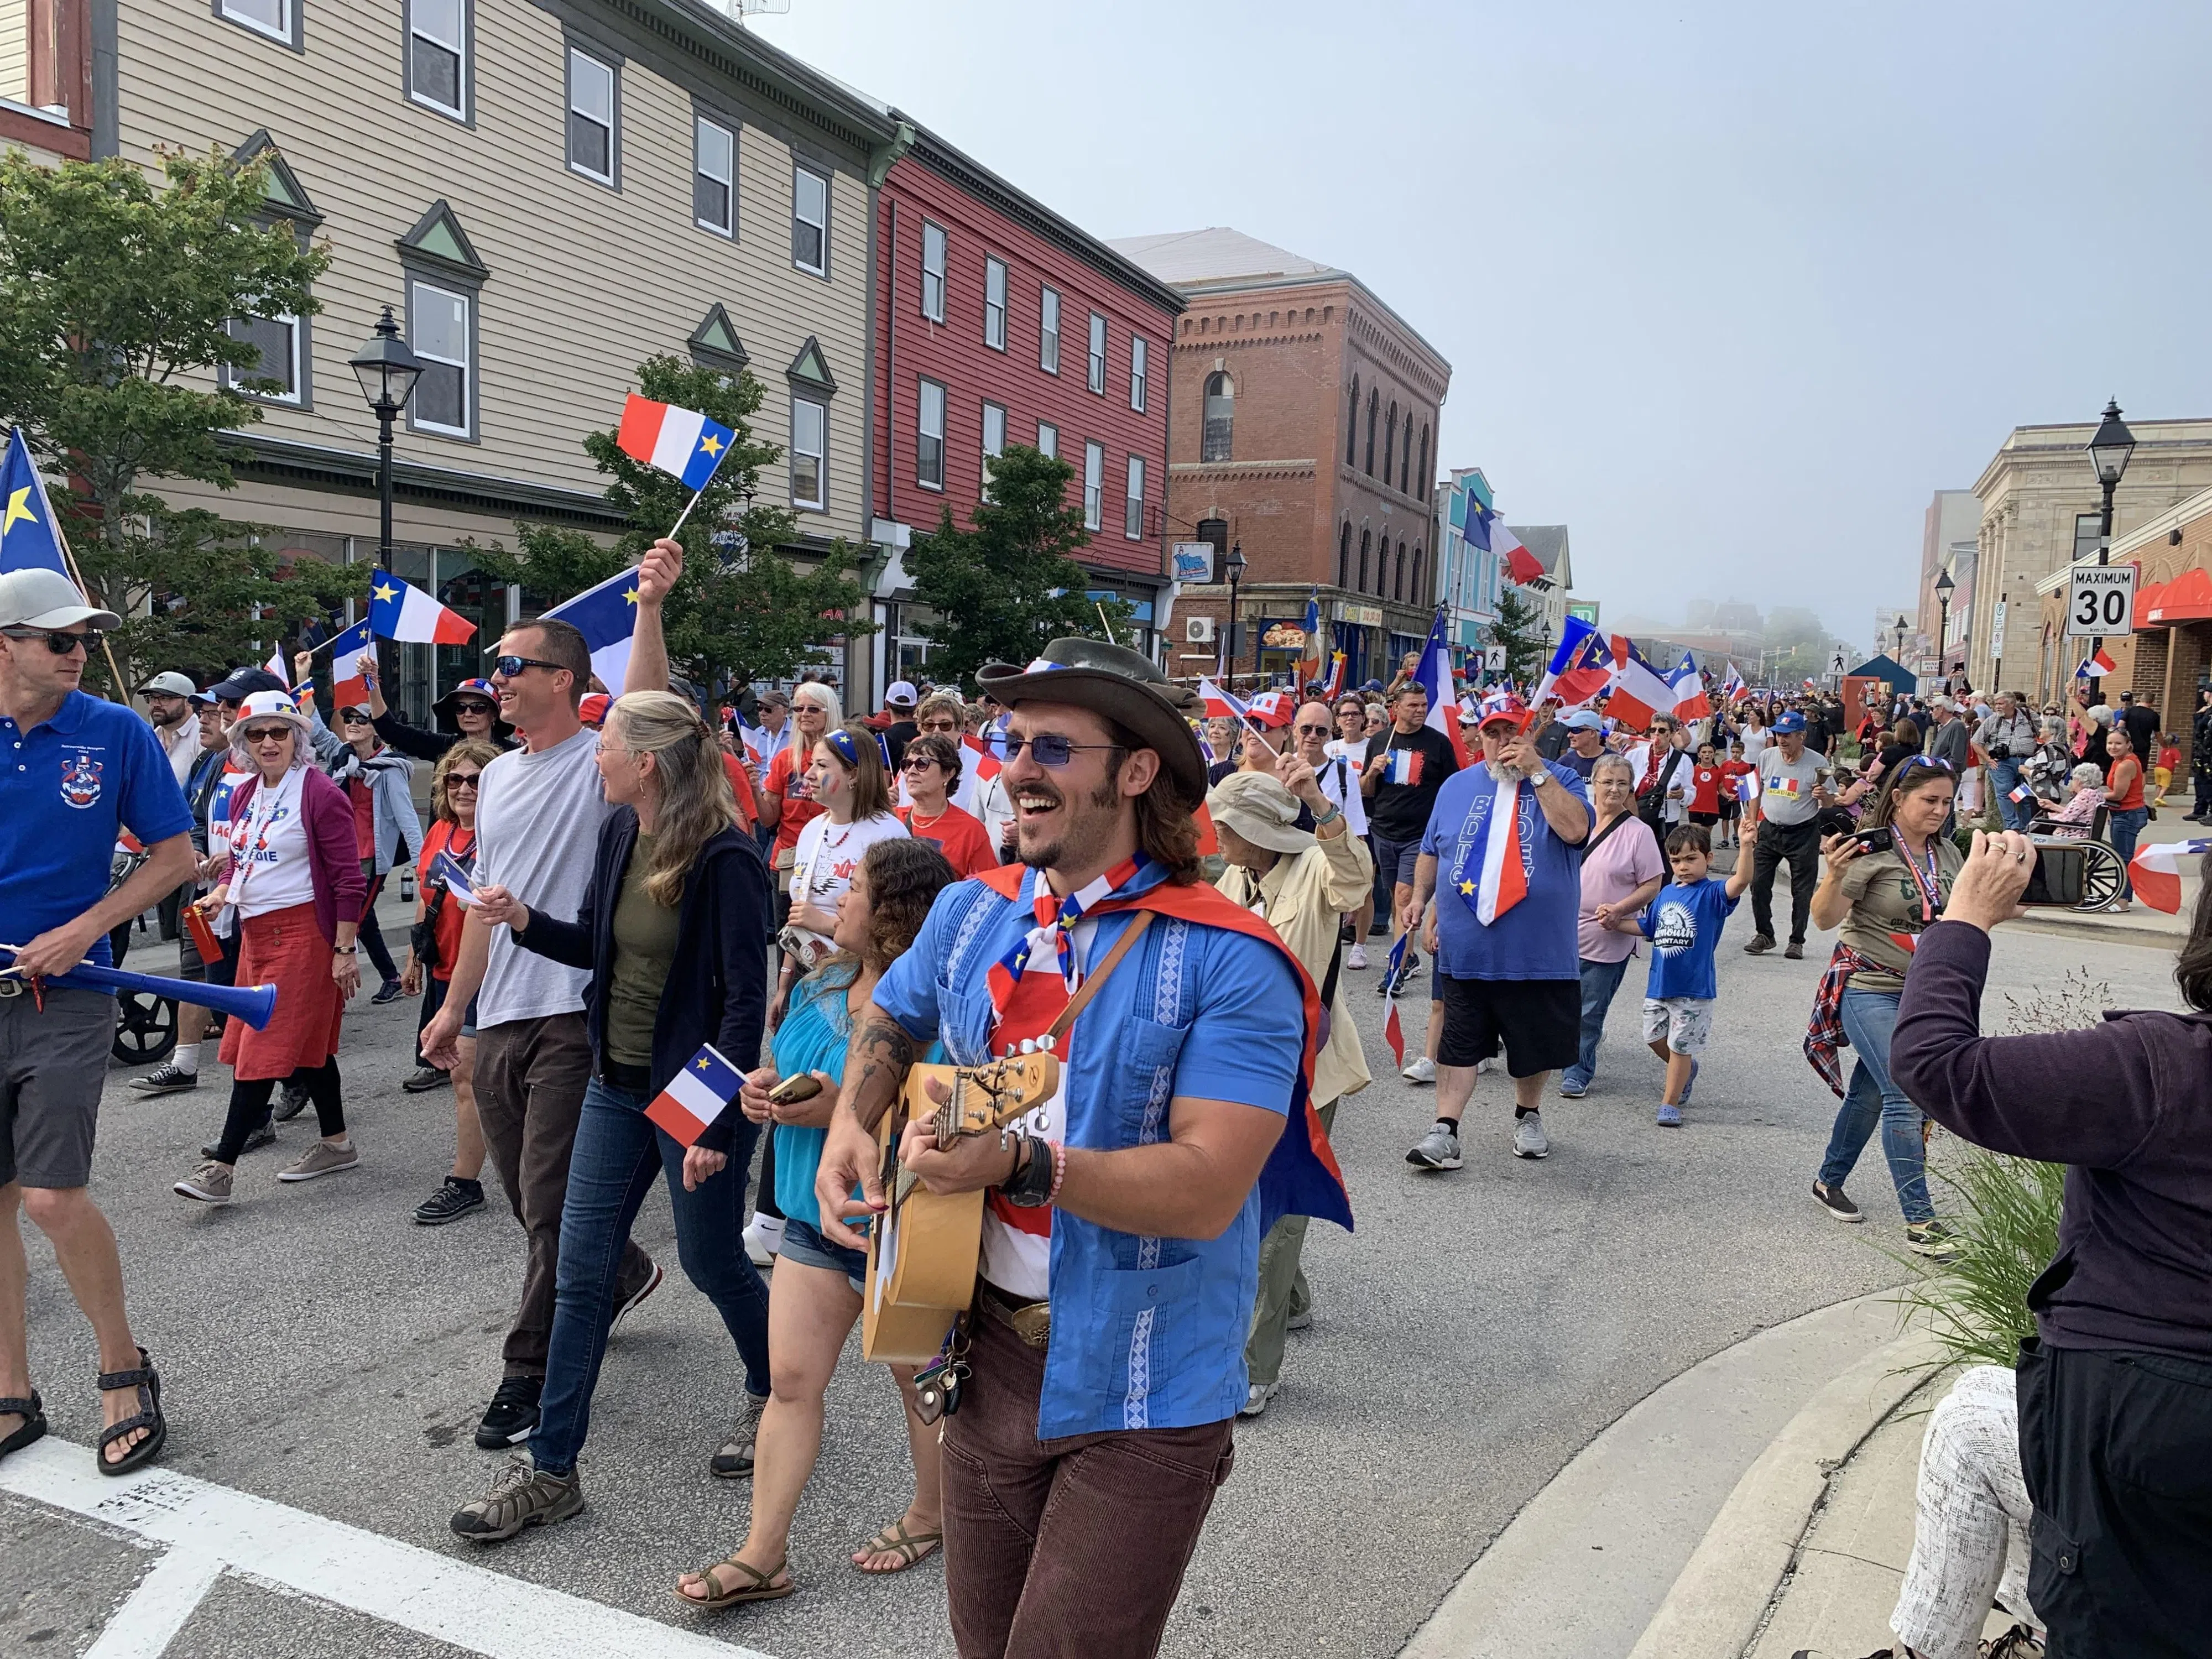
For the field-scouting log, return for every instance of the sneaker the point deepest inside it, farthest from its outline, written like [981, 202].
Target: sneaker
[261, 1135]
[1758, 945]
[1574, 1088]
[1256, 1398]
[733, 1460]
[1931, 1239]
[1356, 957]
[1438, 1149]
[651, 1285]
[2020, 1642]
[1482, 1065]
[1300, 1320]
[322, 1160]
[389, 992]
[1529, 1140]
[512, 1414]
[423, 1078]
[1419, 1069]
[524, 1495]
[1795, 950]
[1413, 966]
[209, 1184]
[293, 1102]
[763, 1237]
[167, 1078]
[450, 1202]
[1837, 1203]
[1670, 1117]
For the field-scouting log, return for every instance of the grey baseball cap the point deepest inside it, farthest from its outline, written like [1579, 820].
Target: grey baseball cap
[171, 685]
[37, 598]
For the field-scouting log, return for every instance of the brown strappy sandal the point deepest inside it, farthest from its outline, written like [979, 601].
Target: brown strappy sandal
[143, 1377]
[896, 1539]
[763, 1588]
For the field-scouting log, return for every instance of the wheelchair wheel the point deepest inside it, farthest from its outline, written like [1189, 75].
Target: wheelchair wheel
[2102, 879]
[145, 1028]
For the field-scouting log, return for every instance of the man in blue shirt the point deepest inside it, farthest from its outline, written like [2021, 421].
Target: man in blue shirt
[1500, 896]
[1123, 1227]
[74, 772]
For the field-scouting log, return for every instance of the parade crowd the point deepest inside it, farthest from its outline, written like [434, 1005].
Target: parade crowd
[1079, 857]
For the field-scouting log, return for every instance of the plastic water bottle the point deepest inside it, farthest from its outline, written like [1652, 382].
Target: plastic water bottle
[407, 883]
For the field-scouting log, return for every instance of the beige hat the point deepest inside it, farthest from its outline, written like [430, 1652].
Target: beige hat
[1260, 810]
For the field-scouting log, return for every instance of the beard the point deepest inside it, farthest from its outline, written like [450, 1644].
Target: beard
[1501, 773]
[1086, 828]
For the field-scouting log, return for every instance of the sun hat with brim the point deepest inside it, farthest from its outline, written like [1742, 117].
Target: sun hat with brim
[262, 707]
[447, 710]
[1260, 810]
[1122, 686]
[39, 597]
[170, 686]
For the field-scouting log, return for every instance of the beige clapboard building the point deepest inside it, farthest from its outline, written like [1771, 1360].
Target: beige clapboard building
[545, 194]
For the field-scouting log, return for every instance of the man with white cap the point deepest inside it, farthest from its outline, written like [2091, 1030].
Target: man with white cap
[74, 773]
[1585, 742]
[899, 729]
[169, 711]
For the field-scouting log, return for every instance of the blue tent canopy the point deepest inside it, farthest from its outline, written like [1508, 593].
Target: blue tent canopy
[1890, 671]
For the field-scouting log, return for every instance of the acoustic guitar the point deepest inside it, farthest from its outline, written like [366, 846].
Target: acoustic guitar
[923, 1250]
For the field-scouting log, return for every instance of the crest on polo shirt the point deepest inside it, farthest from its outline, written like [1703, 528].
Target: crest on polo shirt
[81, 785]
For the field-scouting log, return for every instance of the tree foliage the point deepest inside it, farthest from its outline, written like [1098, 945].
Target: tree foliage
[1004, 588]
[743, 611]
[1516, 628]
[117, 294]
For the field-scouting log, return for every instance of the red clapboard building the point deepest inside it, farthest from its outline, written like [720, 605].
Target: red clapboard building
[997, 322]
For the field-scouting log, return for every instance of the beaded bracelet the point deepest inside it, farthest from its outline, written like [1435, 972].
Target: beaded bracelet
[1059, 1170]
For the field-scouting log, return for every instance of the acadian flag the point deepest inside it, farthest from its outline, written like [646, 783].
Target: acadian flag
[1732, 689]
[979, 759]
[681, 441]
[350, 652]
[1691, 701]
[606, 615]
[1309, 660]
[2098, 666]
[1500, 882]
[1579, 669]
[1488, 532]
[1405, 767]
[1746, 788]
[400, 611]
[1434, 674]
[1393, 1033]
[695, 1095]
[1335, 689]
[455, 874]
[27, 539]
[1220, 704]
[1639, 690]
[2156, 871]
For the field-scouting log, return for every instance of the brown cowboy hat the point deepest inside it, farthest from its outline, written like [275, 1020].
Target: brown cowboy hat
[1122, 686]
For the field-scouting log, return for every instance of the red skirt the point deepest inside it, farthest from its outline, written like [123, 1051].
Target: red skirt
[285, 949]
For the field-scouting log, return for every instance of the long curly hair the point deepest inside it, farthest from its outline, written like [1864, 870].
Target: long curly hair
[696, 802]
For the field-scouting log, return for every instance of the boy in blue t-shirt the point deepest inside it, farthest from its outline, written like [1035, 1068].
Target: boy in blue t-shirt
[1684, 925]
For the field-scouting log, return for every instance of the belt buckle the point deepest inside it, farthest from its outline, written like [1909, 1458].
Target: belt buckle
[11, 987]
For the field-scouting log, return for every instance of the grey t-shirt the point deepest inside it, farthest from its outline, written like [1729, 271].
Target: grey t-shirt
[537, 829]
[1785, 788]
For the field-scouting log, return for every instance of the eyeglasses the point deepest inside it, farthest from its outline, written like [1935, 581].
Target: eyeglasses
[1050, 749]
[59, 643]
[509, 668]
[267, 733]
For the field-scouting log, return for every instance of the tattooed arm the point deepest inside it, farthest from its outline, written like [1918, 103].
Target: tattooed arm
[876, 1065]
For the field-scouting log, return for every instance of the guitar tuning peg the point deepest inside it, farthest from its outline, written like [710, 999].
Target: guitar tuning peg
[1028, 1046]
[1044, 1044]
[1043, 1121]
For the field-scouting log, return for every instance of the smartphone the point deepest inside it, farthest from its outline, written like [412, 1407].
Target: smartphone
[2059, 876]
[1873, 841]
[792, 1090]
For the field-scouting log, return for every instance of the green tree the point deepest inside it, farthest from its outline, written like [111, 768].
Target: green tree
[1516, 628]
[1004, 588]
[1799, 646]
[117, 296]
[743, 611]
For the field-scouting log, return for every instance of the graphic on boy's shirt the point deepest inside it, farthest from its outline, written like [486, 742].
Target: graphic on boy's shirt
[1674, 928]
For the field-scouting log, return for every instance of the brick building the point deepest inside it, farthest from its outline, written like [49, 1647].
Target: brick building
[1303, 431]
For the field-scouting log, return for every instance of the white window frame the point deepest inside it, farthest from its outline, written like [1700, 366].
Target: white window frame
[1048, 442]
[994, 414]
[1133, 508]
[699, 126]
[1095, 376]
[1049, 329]
[1140, 373]
[994, 303]
[819, 454]
[926, 391]
[799, 170]
[1094, 485]
[297, 398]
[613, 123]
[462, 66]
[467, 365]
[932, 277]
[287, 34]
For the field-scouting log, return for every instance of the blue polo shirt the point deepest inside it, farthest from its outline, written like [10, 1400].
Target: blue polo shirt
[68, 788]
[1534, 939]
[1146, 1333]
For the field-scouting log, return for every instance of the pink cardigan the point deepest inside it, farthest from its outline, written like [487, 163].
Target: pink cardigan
[341, 889]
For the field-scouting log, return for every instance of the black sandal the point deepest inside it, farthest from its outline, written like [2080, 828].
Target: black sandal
[148, 1382]
[33, 1411]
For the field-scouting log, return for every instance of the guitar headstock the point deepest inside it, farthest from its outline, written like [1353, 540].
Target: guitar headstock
[987, 1098]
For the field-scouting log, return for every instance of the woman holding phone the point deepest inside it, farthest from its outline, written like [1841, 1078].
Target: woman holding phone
[850, 779]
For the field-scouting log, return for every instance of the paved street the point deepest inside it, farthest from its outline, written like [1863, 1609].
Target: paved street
[323, 1353]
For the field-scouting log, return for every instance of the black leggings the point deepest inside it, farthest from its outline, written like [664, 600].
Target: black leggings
[370, 935]
[249, 1106]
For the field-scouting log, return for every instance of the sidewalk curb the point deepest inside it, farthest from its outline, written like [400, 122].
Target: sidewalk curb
[1714, 1610]
[2102, 932]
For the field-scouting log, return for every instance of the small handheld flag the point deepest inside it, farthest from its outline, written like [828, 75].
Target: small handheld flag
[681, 442]
[350, 652]
[1746, 788]
[1434, 674]
[1392, 1032]
[2155, 872]
[606, 615]
[400, 611]
[455, 875]
[1691, 701]
[1639, 690]
[28, 541]
[2100, 665]
[695, 1095]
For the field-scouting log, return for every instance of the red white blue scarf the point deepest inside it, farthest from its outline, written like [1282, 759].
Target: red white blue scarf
[1051, 940]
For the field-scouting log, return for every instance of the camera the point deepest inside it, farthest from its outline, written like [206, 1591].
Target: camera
[2000, 751]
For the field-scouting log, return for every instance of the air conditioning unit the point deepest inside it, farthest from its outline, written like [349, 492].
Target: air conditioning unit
[1198, 630]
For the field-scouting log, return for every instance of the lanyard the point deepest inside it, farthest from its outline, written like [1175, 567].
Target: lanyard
[1927, 881]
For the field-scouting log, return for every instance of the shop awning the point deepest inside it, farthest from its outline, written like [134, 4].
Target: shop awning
[2186, 599]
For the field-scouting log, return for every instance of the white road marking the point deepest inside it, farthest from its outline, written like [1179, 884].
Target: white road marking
[210, 1526]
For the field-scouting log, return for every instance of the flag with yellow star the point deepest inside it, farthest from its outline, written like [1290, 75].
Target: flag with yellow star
[400, 611]
[678, 441]
[28, 541]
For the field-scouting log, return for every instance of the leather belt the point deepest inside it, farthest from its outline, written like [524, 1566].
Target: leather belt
[1029, 1320]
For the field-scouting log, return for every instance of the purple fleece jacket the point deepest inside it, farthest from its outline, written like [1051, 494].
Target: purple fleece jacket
[332, 848]
[2127, 1106]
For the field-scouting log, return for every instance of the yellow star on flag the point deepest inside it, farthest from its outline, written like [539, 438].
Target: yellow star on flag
[631, 596]
[1467, 887]
[18, 507]
[385, 590]
[710, 444]
[702, 1063]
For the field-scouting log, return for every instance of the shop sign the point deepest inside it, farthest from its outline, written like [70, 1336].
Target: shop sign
[1359, 616]
[1193, 561]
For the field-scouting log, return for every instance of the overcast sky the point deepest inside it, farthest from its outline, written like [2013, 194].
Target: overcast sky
[1727, 289]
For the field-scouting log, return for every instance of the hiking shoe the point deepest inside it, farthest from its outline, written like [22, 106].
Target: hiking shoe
[1256, 1398]
[291, 1104]
[524, 1495]
[1795, 950]
[1931, 1239]
[1758, 945]
[209, 1184]
[167, 1078]
[1419, 1069]
[1529, 1140]
[1670, 1117]
[1438, 1149]
[1837, 1203]
[1356, 957]
[423, 1078]
[651, 1284]
[389, 992]
[261, 1135]
[322, 1160]
[733, 1459]
[450, 1202]
[512, 1414]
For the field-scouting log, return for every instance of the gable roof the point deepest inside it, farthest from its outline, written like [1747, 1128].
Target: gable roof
[1217, 253]
[1549, 542]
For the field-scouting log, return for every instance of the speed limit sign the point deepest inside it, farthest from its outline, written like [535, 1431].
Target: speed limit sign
[2101, 599]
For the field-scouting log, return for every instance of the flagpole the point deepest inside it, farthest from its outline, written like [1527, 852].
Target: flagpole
[122, 694]
[1100, 605]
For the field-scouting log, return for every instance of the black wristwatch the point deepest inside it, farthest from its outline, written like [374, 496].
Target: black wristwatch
[1030, 1184]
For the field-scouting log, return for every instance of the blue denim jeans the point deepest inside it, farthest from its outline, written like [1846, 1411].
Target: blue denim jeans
[2004, 778]
[2123, 828]
[1600, 980]
[1874, 1097]
[619, 1153]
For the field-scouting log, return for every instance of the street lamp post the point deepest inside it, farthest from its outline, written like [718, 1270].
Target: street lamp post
[1235, 565]
[387, 372]
[2109, 450]
[1943, 587]
[1901, 626]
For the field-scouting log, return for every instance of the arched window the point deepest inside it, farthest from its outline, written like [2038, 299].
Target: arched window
[1220, 417]
[1351, 425]
[1424, 491]
[1406, 458]
[1398, 575]
[1374, 414]
[1344, 556]
[1420, 594]
[1365, 538]
[1390, 442]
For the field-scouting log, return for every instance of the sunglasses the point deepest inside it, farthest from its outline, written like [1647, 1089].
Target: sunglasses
[1929, 761]
[354, 719]
[1050, 749]
[59, 643]
[509, 668]
[461, 781]
[916, 763]
[267, 733]
[1311, 731]
[474, 706]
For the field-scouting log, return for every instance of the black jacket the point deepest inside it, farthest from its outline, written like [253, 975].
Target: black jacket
[717, 987]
